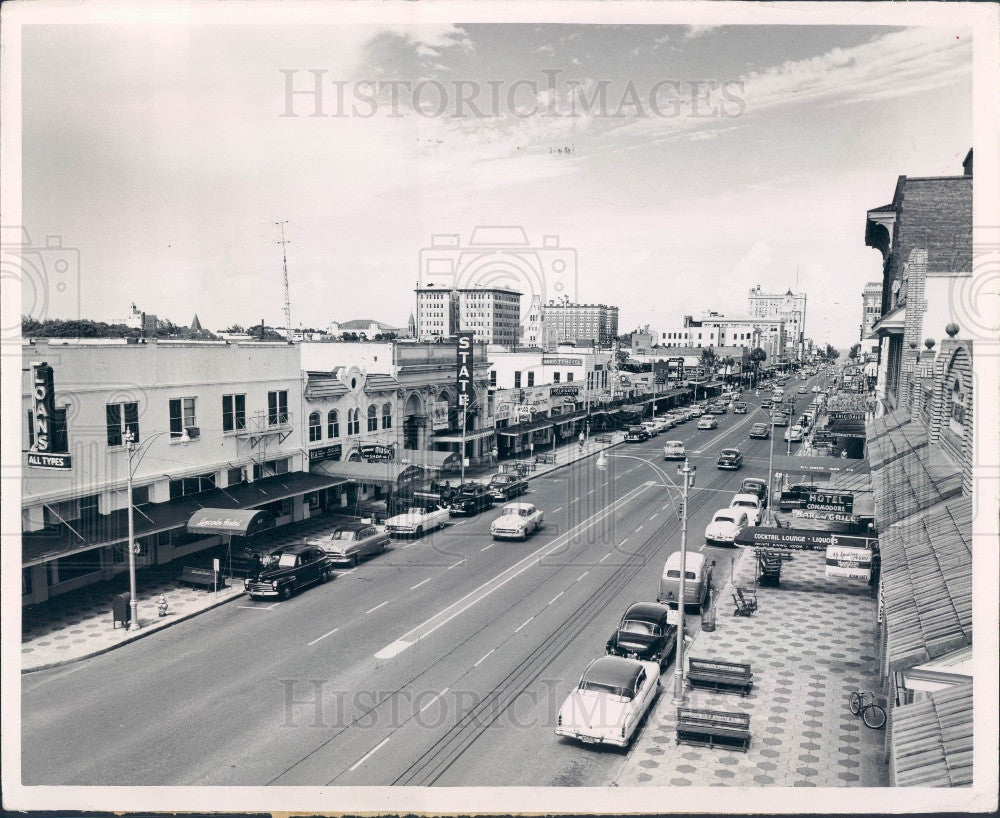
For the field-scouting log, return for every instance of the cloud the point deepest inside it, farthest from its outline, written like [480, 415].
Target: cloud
[756, 260]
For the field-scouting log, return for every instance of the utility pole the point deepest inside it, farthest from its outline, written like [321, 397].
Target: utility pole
[284, 269]
[687, 473]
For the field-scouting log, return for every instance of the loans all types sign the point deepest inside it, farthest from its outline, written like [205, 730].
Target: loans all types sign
[47, 452]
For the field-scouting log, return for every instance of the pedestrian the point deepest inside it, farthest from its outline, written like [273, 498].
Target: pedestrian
[582, 438]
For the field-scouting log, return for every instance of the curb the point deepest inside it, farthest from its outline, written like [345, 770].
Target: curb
[142, 634]
[571, 462]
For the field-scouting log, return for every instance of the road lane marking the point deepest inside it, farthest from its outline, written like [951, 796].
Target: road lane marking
[556, 597]
[488, 547]
[331, 633]
[370, 753]
[454, 565]
[577, 500]
[654, 515]
[556, 511]
[604, 558]
[638, 529]
[590, 492]
[619, 545]
[581, 576]
[666, 506]
[256, 607]
[484, 658]
[526, 621]
[438, 696]
[380, 605]
[445, 616]
[422, 582]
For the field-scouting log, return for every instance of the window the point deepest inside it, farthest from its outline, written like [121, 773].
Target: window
[569, 377]
[277, 408]
[235, 476]
[386, 415]
[270, 468]
[333, 423]
[372, 419]
[956, 421]
[555, 377]
[531, 379]
[517, 379]
[315, 427]
[181, 416]
[122, 416]
[234, 412]
[140, 495]
[493, 379]
[192, 485]
[353, 421]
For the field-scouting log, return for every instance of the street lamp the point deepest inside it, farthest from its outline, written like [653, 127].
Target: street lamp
[687, 472]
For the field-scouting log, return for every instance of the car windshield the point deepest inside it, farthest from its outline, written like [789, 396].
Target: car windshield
[729, 452]
[640, 627]
[743, 504]
[345, 535]
[418, 510]
[286, 561]
[600, 687]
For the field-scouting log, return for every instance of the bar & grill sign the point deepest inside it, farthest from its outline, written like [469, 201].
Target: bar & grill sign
[43, 454]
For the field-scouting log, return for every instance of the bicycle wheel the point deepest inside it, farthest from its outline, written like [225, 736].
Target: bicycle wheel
[874, 716]
[855, 703]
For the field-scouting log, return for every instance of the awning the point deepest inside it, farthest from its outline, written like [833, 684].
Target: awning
[434, 460]
[891, 324]
[818, 465]
[932, 740]
[525, 428]
[227, 521]
[381, 474]
[456, 437]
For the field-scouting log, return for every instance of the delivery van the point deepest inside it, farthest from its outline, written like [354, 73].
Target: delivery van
[697, 580]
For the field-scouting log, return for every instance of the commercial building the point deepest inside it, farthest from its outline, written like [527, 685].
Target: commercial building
[871, 311]
[492, 313]
[592, 324]
[716, 330]
[214, 424]
[365, 329]
[788, 307]
[437, 311]
[582, 372]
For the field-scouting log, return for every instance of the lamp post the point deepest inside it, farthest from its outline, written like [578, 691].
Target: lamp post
[770, 468]
[133, 622]
[687, 472]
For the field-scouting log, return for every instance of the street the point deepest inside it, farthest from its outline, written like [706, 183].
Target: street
[443, 661]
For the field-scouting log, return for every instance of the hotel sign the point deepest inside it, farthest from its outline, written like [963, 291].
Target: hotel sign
[464, 368]
[43, 454]
[829, 501]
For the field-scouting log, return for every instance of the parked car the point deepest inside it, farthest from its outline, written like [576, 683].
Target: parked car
[674, 450]
[739, 408]
[802, 390]
[760, 431]
[506, 486]
[645, 634]
[517, 521]
[793, 434]
[756, 486]
[815, 387]
[708, 422]
[664, 423]
[351, 542]
[470, 499]
[417, 521]
[636, 434]
[730, 459]
[765, 404]
[610, 701]
[751, 504]
[292, 569]
[697, 580]
[725, 525]
[779, 419]
[651, 426]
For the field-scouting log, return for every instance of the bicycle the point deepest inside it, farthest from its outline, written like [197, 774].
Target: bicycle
[863, 704]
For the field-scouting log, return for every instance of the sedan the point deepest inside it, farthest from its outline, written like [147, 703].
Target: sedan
[759, 431]
[417, 520]
[517, 521]
[731, 459]
[645, 634]
[708, 422]
[751, 504]
[756, 486]
[802, 390]
[351, 542]
[779, 419]
[726, 524]
[610, 700]
[794, 434]
[674, 450]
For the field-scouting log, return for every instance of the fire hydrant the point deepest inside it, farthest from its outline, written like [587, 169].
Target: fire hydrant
[161, 605]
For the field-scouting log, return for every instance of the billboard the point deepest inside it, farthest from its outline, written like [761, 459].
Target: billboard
[463, 365]
[439, 415]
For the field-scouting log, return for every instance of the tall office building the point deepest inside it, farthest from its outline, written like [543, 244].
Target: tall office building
[788, 307]
[595, 324]
[871, 311]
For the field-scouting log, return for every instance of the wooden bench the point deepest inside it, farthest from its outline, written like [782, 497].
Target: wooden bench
[202, 577]
[745, 600]
[769, 565]
[716, 674]
[713, 728]
[545, 458]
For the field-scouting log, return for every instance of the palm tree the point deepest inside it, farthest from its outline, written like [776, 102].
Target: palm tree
[709, 360]
[728, 363]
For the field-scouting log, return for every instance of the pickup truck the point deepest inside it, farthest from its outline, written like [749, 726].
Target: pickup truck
[291, 570]
[506, 486]
[470, 499]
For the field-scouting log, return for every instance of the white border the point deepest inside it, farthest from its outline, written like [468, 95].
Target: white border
[982, 18]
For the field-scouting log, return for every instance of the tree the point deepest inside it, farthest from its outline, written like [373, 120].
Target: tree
[853, 354]
[709, 360]
[235, 328]
[728, 363]
[831, 353]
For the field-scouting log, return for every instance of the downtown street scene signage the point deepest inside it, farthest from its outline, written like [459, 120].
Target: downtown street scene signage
[828, 501]
[377, 453]
[45, 453]
[826, 516]
[558, 391]
[325, 453]
[800, 539]
[464, 369]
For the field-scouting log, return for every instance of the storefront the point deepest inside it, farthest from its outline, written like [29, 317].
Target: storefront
[525, 438]
[388, 483]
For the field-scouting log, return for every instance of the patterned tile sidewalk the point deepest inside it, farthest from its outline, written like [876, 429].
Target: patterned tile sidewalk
[810, 643]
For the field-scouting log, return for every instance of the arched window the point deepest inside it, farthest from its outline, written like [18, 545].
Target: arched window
[372, 418]
[315, 427]
[386, 415]
[332, 423]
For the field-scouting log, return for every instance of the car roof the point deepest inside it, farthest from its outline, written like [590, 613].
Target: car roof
[694, 560]
[353, 526]
[296, 548]
[646, 610]
[754, 481]
[519, 505]
[674, 443]
[614, 671]
[730, 451]
[742, 496]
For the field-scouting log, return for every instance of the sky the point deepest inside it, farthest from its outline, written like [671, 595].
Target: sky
[718, 158]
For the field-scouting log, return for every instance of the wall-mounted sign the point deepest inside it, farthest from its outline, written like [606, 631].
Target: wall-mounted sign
[325, 453]
[378, 452]
[47, 452]
[439, 415]
[556, 361]
[848, 561]
[463, 365]
[564, 390]
[831, 516]
[828, 501]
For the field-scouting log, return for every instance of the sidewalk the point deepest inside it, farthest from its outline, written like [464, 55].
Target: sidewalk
[77, 625]
[810, 643]
[564, 455]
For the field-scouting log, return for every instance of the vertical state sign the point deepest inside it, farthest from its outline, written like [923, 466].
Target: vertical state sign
[464, 369]
[48, 451]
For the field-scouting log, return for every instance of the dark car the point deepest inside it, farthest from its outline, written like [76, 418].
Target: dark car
[731, 459]
[636, 434]
[756, 486]
[290, 570]
[506, 486]
[760, 431]
[470, 499]
[779, 419]
[645, 634]
[765, 404]
[718, 409]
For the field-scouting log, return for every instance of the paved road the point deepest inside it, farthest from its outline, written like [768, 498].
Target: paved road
[443, 661]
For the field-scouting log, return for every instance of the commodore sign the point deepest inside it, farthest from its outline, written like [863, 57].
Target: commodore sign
[828, 501]
[464, 366]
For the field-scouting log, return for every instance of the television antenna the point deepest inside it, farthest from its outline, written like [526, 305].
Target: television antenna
[284, 268]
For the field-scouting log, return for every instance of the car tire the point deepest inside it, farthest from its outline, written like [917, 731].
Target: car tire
[284, 592]
[381, 548]
[419, 532]
[326, 575]
[353, 561]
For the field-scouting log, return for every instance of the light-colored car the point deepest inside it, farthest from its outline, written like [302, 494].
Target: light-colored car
[609, 702]
[674, 450]
[697, 580]
[417, 521]
[794, 434]
[517, 521]
[815, 387]
[351, 542]
[651, 427]
[751, 504]
[726, 524]
[708, 422]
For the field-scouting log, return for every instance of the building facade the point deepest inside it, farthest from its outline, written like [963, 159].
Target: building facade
[492, 313]
[716, 330]
[437, 312]
[593, 324]
[871, 311]
[788, 307]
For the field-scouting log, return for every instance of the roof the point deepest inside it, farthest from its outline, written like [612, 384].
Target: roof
[913, 482]
[932, 740]
[646, 610]
[613, 671]
[927, 583]
[893, 443]
[360, 471]
[328, 385]
[363, 323]
[693, 559]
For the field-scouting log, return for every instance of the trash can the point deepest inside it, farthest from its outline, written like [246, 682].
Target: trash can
[708, 615]
[121, 609]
